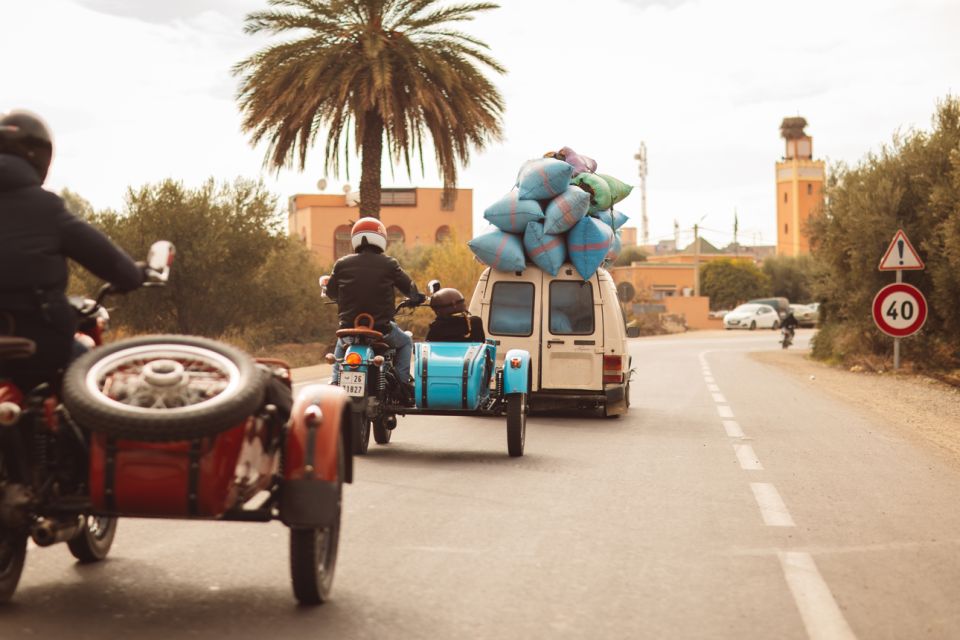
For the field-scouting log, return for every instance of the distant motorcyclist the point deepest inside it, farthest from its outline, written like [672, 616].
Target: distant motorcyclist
[364, 282]
[790, 323]
[454, 323]
[37, 236]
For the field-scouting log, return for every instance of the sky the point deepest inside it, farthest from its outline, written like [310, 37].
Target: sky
[137, 91]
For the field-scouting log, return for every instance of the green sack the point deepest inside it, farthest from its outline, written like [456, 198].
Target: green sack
[597, 187]
[618, 189]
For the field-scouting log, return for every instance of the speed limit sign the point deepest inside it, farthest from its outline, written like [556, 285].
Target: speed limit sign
[899, 309]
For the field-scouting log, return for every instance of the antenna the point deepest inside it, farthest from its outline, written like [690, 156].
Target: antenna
[641, 158]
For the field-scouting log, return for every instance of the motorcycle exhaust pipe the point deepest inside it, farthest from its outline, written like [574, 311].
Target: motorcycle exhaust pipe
[47, 532]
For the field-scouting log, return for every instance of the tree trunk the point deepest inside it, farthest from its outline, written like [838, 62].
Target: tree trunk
[371, 152]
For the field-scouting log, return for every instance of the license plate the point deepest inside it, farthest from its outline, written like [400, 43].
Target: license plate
[354, 383]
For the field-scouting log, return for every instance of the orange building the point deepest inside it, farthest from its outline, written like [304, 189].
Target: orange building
[412, 216]
[799, 188]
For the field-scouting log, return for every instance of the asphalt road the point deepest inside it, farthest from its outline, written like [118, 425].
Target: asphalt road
[734, 501]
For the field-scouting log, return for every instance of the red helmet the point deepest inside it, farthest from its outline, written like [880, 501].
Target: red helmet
[368, 231]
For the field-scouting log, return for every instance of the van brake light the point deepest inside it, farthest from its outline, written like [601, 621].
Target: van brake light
[612, 369]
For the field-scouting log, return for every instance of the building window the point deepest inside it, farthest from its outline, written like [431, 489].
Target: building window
[809, 188]
[786, 229]
[341, 242]
[784, 196]
[398, 197]
[443, 234]
[303, 234]
[395, 236]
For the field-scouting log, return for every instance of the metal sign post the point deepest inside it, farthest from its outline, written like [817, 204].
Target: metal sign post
[899, 310]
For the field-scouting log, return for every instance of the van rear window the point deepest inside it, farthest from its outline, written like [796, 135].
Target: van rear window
[571, 308]
[511, 309]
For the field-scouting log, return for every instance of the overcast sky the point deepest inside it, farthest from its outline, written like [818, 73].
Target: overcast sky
[140, 90]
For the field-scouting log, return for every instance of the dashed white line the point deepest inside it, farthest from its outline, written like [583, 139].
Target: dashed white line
[725, 411]
[772, 509]
[708, 379]
[718, 398]
[819, 611]
[712, 387]
[732, 427]
[747, 458]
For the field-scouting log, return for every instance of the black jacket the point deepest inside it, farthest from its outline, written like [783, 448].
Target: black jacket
[38, 234]
[456, 328]
[364, 283]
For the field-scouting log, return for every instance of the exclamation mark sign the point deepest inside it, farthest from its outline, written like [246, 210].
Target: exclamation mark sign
[900, 249]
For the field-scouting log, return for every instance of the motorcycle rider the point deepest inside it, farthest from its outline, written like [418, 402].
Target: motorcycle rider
[790, 324]
[37, 236]
[454, 323]
[363, 282]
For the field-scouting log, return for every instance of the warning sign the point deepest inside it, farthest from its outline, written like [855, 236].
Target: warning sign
[900, 256]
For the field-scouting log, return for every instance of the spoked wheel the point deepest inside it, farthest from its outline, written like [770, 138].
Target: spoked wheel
[13, 551]
[163, 388]
[381, 434]
[313, 553]
[516, 423]
[93, 542]
[360, 432]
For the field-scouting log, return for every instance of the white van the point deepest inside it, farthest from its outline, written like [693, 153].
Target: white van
[573, 329]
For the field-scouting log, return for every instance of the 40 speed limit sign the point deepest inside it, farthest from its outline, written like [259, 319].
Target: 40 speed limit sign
[899, 309]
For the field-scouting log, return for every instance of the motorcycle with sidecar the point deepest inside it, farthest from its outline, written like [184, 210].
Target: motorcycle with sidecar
[169, 427]
[450, 378]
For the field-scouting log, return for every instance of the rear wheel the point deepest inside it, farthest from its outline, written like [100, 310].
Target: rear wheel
[313, 553]
[13, 551]
[93, 542]
[360, 432]
[516, 423]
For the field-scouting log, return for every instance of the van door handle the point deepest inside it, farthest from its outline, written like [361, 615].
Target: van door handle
[555, 342]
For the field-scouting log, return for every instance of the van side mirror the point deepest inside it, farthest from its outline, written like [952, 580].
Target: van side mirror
[633, 332]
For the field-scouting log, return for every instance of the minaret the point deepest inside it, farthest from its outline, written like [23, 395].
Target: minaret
[799, 188]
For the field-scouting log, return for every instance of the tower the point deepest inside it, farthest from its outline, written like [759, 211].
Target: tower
[641, 158]
[799, 188]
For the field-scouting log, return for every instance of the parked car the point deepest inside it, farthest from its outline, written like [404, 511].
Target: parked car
[752, 316]
[805, 314]
[573, 329]
[781, 305]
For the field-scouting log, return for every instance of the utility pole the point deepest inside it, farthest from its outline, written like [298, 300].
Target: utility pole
[736, 227]
[696, 260]
[676, 235]
[641, 158]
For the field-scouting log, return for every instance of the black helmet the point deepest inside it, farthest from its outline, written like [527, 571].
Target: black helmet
[24, 134]
[447, 302]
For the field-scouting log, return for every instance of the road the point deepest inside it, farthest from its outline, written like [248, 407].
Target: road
[734, 501]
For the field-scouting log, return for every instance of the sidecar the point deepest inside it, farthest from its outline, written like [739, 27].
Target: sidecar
[454, 378]
[185, 427]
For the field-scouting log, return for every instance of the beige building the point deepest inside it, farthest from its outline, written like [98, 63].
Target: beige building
[412, 216]
[800, 181]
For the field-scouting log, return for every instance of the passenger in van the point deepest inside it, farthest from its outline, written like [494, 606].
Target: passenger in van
[454, 323]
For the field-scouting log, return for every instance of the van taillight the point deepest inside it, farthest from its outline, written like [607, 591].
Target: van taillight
[612, 369]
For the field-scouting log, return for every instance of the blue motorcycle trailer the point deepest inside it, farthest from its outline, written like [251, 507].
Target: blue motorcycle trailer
[449, 378]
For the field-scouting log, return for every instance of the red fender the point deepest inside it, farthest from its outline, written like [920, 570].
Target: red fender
[318, 408]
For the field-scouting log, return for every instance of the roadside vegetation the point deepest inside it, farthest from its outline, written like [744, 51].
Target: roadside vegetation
[912, 183]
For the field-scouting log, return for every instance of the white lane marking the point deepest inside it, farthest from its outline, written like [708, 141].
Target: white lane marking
[725, 411]
[718, 398]
[713, 387]
[747, 458]
[708, 379]
[819, 611]
[733, 428]
[772, 509]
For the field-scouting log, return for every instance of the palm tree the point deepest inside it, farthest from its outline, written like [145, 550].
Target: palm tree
[394, 67]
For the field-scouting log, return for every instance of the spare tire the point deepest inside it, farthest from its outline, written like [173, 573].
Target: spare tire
[161, 388]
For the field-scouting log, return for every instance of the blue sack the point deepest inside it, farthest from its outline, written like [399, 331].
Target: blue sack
[501, 250]
[512, 214]
[565, 210]
[544, 178]
[615, 247]
[547, 251]
[588, 244]
[612, 217]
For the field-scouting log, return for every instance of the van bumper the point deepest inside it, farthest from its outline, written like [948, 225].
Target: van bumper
[612, 398]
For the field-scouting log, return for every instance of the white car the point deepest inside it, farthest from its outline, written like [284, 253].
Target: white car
[752, 316]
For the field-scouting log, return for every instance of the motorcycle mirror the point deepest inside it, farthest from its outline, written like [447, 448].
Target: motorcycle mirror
[159, 259]
[323, 284]
[433, 286]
